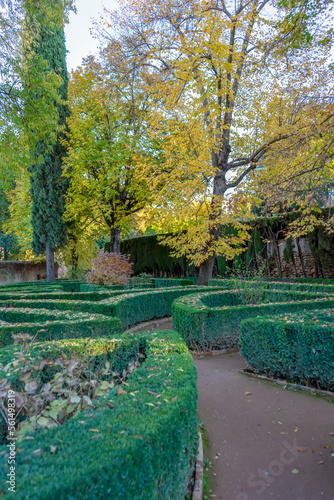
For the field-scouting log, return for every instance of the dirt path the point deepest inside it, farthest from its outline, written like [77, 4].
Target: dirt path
[265, 443]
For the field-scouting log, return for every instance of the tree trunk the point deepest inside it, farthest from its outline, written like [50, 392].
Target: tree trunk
[115, 240]
[301, 258]
[50, 264]
[205, 271]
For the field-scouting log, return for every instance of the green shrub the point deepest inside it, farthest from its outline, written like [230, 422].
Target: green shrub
[296, 347]
[52, 325]
[212, 320]
[142, 306]
[144, 444]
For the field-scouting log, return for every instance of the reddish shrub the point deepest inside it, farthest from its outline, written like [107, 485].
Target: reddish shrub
[110, 269]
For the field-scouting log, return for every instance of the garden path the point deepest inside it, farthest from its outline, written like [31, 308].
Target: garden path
[265, 443]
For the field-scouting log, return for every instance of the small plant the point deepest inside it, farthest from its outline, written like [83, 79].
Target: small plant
[110, 269]
[249, 286]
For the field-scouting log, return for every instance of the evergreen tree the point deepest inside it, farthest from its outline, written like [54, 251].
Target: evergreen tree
[46, 42]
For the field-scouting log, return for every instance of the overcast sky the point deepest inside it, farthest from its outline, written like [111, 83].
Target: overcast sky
[79, 41]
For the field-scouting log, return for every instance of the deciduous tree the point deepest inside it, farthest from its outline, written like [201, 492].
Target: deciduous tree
[218, 67]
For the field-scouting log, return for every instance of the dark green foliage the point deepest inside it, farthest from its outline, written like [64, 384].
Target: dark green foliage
[48, 187]
[298, 347]
[144, 306]
[148, 256]
[258, 243]
[209, 321]
[53, 325]
[288, 250]
[302, 285]
[145, 447]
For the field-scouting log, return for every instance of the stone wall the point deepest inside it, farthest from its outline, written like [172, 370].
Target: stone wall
[12, 271]
[303, 263]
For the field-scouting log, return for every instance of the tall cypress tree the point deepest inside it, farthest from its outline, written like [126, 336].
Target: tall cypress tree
[48, 186]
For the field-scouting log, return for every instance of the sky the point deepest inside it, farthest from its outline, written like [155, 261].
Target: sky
[79, 41]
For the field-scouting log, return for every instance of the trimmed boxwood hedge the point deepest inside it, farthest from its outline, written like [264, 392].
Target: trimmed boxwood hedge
[51, 325]
[297, 347]
[145, 446]
[229, 284]
[144, 306]
[212, 320]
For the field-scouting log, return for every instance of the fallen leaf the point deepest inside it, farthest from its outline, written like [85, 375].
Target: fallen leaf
[321, 462]
[295, 471]
[53, 449]
[38, 452]
[302, 449]
[326, 446]
[120, 391]
[175, 399]
[94, 430]
[248, 393]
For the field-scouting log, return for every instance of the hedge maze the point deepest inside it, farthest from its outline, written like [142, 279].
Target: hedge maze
[137, 437]
[137, 440]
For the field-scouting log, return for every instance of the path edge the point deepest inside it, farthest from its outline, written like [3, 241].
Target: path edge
[198, 486]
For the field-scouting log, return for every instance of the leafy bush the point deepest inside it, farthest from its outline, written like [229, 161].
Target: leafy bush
[110, 269]
[140, 444]
[298, 348]
[209, 321]
[249, 286]
[51, 386]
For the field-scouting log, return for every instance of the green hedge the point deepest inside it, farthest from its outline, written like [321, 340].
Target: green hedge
[229, 284]
[95, 351]
[137, 307]
[95, 296]
[167, 282]
[52, 325]
[296, 347]
[146, 444]
[212, 320]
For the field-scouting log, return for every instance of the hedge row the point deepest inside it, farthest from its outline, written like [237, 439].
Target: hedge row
[296, 347]
[212, 320]
[144, 444]
[302, 287]
[95, 351]
[51, 325]
[144, 306]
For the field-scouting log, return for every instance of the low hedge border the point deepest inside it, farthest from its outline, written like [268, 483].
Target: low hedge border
[52, 325]
[96, 352]
[142, 306]
[94, 296]
[296, 347]
[148, 455]
[209, 321]
[229, 284]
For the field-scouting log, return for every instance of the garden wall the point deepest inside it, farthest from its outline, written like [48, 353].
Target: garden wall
[18, 271]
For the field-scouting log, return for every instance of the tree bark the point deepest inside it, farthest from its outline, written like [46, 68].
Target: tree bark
[205, 270]
[115, 240]
[301, 258]
[50, 264]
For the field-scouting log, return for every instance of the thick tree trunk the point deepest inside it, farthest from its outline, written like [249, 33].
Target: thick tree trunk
[205, 271]
[50, 264]
[115, 240]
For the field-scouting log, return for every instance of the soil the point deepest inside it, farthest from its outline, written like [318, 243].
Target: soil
[265, 443]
